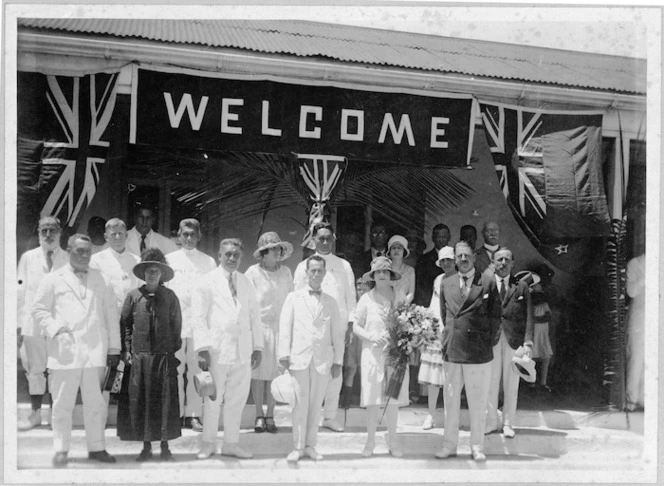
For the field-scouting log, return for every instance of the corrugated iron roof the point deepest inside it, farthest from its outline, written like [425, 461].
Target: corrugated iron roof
[379, 47]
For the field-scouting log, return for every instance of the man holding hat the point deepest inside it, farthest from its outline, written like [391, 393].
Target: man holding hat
[516, 329]
[75, 308]
[228, 337]
[311, 347]
[470, 312]
[189, 265]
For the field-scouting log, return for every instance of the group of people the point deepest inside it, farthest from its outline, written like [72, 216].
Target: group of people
[171, 315]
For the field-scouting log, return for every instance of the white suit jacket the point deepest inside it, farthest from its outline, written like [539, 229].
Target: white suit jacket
[88, 310]
[152, 240]
[233, 330]
[118, 268]
[310, 330]
[32, 267]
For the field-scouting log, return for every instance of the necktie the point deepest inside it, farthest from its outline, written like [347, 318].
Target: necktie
[231, 285]
[142, 243]
[49, 259]
[464, 287]
[314, 292]
[502, 289]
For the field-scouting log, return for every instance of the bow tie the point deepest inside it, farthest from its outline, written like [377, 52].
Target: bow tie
[315, 292]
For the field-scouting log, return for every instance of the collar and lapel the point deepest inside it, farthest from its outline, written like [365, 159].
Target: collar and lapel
[221, 288]
[313, 311]
[75, 284]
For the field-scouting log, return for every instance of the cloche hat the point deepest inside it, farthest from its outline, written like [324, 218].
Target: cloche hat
[399, 240]
[153, 257]
[271, 240]
[444, 252]
[381, 263]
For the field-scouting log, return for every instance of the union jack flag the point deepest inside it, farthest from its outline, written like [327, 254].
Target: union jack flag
[78, 116]
[549, 168]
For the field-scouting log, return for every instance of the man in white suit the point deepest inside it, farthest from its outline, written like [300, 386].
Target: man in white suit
[311, 347]
[76, 310]
[189, 265]
[228, 338]
[142, 236]
[33, 266]
[339, 282]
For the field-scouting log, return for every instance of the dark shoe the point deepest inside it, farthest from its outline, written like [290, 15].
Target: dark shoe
[195, 424]
[260, 425]
[270, 425]
[101, 456]
[166, 455]
[59, 459]
[144, 455]
[546, 389]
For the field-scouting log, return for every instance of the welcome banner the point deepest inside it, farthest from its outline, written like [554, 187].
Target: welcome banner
[210, 111]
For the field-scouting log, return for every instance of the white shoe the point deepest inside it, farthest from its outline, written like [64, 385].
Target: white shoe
[508, 432]
[295, 455]
[313, 453]
[33, 420]
[445, 453]
[206, 451]
[368, 449]
[332, 425]
[478, 456]
[428, 423]
[394, 447]
[235, 450]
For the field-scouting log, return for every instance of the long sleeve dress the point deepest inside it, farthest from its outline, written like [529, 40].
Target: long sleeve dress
[371, 316]
[150, 326]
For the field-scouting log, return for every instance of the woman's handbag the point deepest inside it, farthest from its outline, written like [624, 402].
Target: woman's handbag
[113, 379]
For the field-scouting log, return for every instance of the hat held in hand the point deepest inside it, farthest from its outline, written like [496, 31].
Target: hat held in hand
[524, 366]
[282, 389]
[204, 385]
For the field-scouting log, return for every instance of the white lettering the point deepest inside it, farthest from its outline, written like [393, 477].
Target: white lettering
[265, 125]
[397, 135]
[436, 131]
[357, 114]
[186, 103]
[305, 111]
[227, 116]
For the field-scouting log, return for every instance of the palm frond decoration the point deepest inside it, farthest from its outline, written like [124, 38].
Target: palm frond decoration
[235, 186]
[615, 361]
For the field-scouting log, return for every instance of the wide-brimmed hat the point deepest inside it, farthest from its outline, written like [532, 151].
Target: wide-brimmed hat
[444, 252]
[204, 385]
[381, 263]
[153, 257]
[398, 240]
[282, 389]
[531, 278]
[524, 366]
[271, 240]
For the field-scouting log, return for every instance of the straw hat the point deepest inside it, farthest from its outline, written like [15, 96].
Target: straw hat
[282, 389]
[524, 366]
[381, 263]
[398, 240]
[531, 278]
[153, 257]
[444, 252]
[204, 385]
[271, 240]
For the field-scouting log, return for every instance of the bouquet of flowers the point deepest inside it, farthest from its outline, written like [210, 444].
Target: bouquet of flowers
[410, 327]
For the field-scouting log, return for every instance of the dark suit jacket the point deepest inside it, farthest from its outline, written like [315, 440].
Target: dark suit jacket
[470, 323]
[426, 272]
[517, 314]
[482, 259]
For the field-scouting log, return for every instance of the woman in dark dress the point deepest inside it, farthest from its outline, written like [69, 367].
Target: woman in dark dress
[150, 323]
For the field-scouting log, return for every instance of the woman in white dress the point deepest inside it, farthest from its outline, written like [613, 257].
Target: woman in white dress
[371, 325]
[273, 282]
[431, 363]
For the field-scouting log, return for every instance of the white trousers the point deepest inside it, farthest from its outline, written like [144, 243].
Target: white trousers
[475, 377]
[232, 383]
[501, 368]
[64, 385]
[636, 348]
[332, 397]
[33, 358]
[191, 404]
[310, 387]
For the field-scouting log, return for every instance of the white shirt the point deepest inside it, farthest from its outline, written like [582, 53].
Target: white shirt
[32, 267]
[339, 282]
[189, 266]
[502, 282]
[152, 240]
[118, 269]
[468, 279]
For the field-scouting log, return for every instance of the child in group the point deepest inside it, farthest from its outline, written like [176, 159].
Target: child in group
[150, 324]
[371, 325]
[353, 349]
[542, 351]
